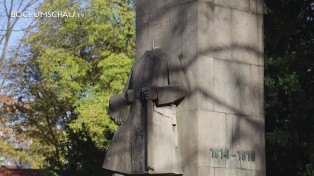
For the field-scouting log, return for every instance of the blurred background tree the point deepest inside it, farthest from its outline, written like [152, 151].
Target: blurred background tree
[289, 83]
[62, 81]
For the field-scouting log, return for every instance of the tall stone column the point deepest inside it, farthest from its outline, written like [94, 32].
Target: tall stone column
[220, 45]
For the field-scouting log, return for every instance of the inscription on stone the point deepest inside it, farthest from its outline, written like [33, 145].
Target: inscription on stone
[226, 153]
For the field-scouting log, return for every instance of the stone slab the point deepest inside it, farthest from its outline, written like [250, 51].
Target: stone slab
[259, 173]
[232, 172]
[142, 44]
[190, 68]
[173, 29]
[259, 7]
[242, 140]
[232, 87]
[173, 3]
[205, 171]
[187, 126]
[238, 88]
[190, 33]
[211, 123]
[214, 33]
[260, 38]
[144, 7]
[236, 4]
[257, 90]
[244, 38]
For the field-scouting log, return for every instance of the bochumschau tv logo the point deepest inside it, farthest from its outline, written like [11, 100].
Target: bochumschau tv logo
[54, 14]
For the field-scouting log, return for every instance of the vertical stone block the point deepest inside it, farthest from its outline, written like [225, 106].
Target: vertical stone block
[173, 3]
[190, 67]
[144, 7]
[155, 29]
[222, 171]
[235, 4]
[188, 137]
[190, 42]
[205, 171]
[243, 140]
[259, 7]
[142, 33]
[190, 170]
[260, 38]
[241, 172]
[231, 86]
[174, 26]
[244, 37]
[205, 88]
[253, 6]
[258, 173]
[214, 33]
[211, 123]
[257, 90]
[220, 45]
[199, 72]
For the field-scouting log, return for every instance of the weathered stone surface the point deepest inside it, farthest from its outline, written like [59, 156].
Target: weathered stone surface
[190, 170]
[123, 147]
[244, 38]
[241, 172]
[214, 33]
[222, 171]
[260, 38]
[144, 7]
[244, 35]
[220, 46]
[259, 7]
[259, 173]
[253, 6]
[236, 4]
[199, 71]
[199, 171]
[232, 87]
[142, 44]
[211, 123]
[205, 171]
[173, 29]
[256, 7]
[187, 126]
[257, 90]
[232, 172]
[191, 73]
[155, 31]
[173, 3]
[190, 41]
[243, 140]
[205, 88]
[238, 87]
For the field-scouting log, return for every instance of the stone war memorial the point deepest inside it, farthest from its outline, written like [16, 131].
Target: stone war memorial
[194, 101]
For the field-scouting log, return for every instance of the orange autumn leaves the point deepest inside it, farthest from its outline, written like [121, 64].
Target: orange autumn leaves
[9, 105]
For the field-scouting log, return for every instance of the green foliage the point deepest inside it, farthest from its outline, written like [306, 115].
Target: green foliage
[289, 87]
[47, 172]
[75, 65]
[82, 156]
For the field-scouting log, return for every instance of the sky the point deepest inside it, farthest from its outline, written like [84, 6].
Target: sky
[21, 24]
[17, 32]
